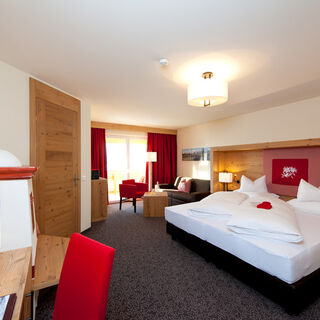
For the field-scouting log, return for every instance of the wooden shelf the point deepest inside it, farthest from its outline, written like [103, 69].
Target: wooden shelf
[51, 251]
[14, 268]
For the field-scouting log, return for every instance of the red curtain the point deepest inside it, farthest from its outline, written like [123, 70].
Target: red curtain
[165, 169]
[98, 151]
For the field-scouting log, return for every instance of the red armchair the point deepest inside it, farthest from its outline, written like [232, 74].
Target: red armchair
[129, 189]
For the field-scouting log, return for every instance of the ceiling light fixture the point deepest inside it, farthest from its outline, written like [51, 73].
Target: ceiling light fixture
[164, 62]
[208, 91]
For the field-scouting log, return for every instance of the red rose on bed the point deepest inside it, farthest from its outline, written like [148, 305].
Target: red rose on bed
[265, 205]
[289, 171]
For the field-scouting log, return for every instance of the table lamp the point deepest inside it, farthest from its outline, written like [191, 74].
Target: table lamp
[225, 178]
[151, 157]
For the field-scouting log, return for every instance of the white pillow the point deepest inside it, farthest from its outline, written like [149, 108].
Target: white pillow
[266, 195]
[312, 207]
[247, 185]
[308, 192]
[233, 197]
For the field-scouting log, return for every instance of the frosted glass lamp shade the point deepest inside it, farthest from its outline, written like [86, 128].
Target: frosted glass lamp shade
[208, 92]
[7, 159]
[151, 157]
[225, 177]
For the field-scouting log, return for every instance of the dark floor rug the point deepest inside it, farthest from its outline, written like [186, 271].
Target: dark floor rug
[156, 278]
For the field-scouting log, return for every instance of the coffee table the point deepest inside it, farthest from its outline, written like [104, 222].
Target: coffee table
[154, 204]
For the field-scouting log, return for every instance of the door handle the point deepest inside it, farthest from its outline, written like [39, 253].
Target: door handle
[76, 179]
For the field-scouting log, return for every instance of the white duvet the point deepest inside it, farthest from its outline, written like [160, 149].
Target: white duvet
[243, 216]
[278, 223]
[218, 204]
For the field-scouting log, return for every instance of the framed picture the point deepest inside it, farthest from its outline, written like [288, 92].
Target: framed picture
[196, 154]
[289, 171]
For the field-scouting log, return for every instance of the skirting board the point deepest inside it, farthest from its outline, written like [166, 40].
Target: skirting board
[292, 297]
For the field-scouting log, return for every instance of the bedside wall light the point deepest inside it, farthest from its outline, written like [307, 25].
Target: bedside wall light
[225, 178]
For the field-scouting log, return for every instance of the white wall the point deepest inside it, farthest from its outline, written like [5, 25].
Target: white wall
[14, 112]
[14, 129]
[299, 120]
[85, 166]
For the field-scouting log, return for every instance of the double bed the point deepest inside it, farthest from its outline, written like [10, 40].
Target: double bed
[287, 272]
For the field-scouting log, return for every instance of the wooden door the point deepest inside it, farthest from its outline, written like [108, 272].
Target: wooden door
[55, 148]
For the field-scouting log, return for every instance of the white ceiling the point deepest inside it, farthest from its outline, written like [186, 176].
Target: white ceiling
[107, 52]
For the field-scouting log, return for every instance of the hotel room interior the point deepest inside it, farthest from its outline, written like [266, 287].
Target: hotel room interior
[159, 160]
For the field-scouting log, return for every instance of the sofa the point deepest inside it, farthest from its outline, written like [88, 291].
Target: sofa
[199, 190]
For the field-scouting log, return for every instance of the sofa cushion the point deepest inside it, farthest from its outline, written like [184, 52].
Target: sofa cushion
[180, 195]
[176, 182]
[198, 185]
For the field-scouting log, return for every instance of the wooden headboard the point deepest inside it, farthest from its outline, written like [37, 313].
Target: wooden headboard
[247, 160]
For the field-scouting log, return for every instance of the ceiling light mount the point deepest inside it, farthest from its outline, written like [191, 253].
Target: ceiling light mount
[207, 75]
[208, 91]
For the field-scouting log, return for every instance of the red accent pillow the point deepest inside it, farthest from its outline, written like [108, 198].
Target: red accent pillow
[185, 185]
[265, 205]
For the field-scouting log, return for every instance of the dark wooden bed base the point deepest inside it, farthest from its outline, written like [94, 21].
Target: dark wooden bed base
[293, 297]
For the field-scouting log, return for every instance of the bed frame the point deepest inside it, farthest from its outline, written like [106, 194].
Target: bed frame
[292, 297]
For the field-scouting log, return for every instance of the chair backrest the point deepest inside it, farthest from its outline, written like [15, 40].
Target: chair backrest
[129, 181]
[84, 282]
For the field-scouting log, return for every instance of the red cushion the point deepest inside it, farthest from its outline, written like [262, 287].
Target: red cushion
[264, 205]
[84, 282]
[139, 194]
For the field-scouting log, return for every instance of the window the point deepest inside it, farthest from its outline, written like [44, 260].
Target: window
[126, 159]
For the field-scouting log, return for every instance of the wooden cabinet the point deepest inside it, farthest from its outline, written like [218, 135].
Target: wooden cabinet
[99, 192]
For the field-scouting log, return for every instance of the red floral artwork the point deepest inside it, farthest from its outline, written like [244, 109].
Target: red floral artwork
[289, 171]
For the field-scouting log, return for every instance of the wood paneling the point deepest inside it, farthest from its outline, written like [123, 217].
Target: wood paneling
[270, 145]
[126, 127]
[51, 251]
[99, 192]
[154, 204]
[55, 148]
[286, 198]
[14, 270]
[249, 163]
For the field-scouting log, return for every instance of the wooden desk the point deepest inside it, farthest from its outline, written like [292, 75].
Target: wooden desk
[99, 193]
[14, 269]
[51, 251]
[154, 204]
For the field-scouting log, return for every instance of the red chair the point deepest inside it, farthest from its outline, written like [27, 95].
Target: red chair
[84, 281]
[129, 189]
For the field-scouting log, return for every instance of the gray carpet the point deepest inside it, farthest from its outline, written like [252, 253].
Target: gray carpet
[157, 278]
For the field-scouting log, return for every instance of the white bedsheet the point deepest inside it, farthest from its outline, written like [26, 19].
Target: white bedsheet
[288, 261]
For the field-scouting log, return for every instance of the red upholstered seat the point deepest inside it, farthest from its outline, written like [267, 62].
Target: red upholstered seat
[84, 282]
[132, 190]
